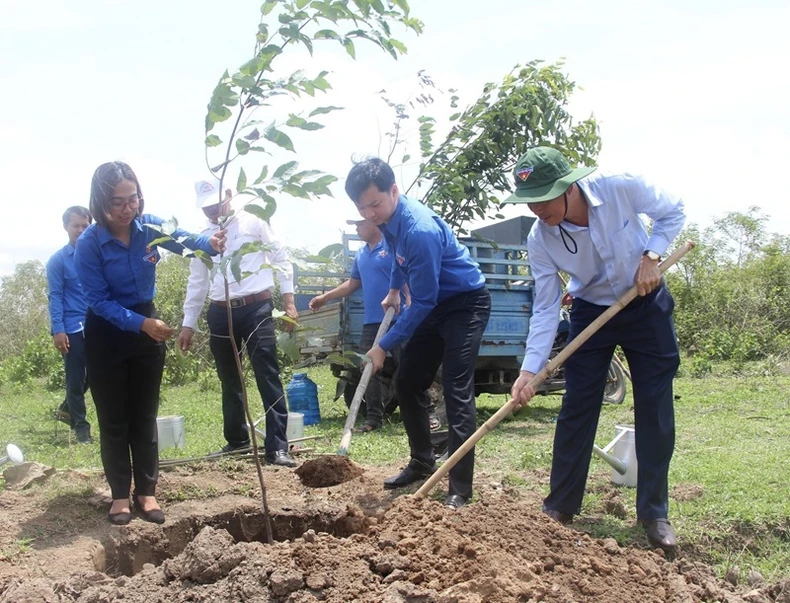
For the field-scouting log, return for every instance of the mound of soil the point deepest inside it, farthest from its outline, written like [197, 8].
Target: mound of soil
[354, 542]
[329, 470]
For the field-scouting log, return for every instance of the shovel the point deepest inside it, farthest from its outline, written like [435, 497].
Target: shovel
[335, 469]
[367, 373]
[555, 363]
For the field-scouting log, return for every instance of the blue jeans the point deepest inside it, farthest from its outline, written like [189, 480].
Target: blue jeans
[645, 331]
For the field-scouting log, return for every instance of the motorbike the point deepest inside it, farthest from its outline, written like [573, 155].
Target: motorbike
[614, 391]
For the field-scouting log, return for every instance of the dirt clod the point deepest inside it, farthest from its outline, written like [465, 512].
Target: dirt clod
[327, 471]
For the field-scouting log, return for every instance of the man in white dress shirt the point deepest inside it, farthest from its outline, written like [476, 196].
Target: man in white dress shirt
[253, 324]
[590, 228]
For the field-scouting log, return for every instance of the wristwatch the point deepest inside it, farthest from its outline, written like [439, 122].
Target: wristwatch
[652, 255]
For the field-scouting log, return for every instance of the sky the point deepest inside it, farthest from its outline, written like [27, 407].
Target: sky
[689, 94]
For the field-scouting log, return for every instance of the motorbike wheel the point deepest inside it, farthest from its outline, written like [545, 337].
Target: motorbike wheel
[614, 392]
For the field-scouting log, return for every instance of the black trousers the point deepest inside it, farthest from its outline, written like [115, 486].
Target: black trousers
[645, 331]
[449, 336]
[124, 374]
[253, 329]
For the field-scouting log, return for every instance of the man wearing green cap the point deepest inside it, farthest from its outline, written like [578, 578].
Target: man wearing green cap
[590, 227]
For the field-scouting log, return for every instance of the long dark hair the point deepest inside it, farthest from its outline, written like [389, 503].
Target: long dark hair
[106, 177]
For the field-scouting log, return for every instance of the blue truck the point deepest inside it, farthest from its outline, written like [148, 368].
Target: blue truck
[334, 331]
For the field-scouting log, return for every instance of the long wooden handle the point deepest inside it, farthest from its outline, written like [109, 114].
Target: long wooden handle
[553, 365]
[367, 373]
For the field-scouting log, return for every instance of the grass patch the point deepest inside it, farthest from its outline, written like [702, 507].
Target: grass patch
[728, 480]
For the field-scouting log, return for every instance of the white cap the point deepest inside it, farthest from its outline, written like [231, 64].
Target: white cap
[206, 193]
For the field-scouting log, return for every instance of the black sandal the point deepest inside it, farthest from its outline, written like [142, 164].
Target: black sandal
[366, 428]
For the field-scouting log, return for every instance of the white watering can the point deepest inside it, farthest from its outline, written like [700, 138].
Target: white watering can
[623, 461]
[13, 454]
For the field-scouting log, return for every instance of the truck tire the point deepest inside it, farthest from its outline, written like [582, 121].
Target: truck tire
[614, 392]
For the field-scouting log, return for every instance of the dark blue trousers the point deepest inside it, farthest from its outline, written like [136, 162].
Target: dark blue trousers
[449, 336]
[253, 329]
[645, 331]
[76, 384]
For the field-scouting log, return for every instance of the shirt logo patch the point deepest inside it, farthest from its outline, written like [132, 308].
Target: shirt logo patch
[151, 257]
[383, 253]
[400, 259]
[523, 173]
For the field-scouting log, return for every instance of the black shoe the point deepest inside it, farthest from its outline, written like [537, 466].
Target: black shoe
[154, 515]
[229, 448]
[85, 439]
[413, 472]
[280, 457]
[455, 501]
[120, 519]
[660, 534]
[63, 416]
[559, 516]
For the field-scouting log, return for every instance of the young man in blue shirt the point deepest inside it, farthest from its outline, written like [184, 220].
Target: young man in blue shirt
[371, 271]
[590, 228]
[67, 309]
[443, 325]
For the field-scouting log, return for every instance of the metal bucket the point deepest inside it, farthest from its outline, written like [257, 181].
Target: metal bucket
[170, 431]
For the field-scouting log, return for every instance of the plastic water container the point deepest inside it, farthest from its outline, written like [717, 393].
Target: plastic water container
[302, 396]
[294, 430]
[170, 431]
[625, 450]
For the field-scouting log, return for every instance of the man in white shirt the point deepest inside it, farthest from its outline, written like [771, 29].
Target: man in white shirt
[590, 228]
[253, 324]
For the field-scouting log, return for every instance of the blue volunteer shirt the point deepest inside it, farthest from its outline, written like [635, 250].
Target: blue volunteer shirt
[373, 267]
[430, 259]
[115, 277]
[67, 306]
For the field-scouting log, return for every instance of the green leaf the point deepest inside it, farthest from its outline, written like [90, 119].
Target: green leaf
[160, 240]
[263, 213]
[322, 110]
[300, 4]
[204, 257]
[243, 81]
[252, 136]
[326, 34]
[348, 44]
[268, 6]
[284, 169]
[288, 345]
[331, 251]
[403, 5]
[170, 226]
[279, 138]
[341, 360]
[262, 177]
[242, 146]
[212, 140]
[241, 183]
[405, 158]
[235, 265]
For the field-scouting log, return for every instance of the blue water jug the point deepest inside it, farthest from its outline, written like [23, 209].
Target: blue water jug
[303, 397]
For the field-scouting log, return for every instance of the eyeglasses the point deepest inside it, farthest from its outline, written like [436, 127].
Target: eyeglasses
[119, 203]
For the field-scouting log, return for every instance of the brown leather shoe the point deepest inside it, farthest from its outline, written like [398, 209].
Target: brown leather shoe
[559, 516]
[660, 534]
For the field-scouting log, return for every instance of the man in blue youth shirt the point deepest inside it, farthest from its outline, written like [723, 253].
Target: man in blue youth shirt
[443, 324]
[590, 228]
[371, 271]
[67, 308]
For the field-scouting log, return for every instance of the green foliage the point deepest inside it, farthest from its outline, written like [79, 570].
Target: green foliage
[471, 169]
[23, 307]
[286, 24]
[733, 291]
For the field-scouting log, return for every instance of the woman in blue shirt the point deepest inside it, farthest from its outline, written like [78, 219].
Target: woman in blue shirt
[124, 338]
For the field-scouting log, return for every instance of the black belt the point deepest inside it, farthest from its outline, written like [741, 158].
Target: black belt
[240, 302]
